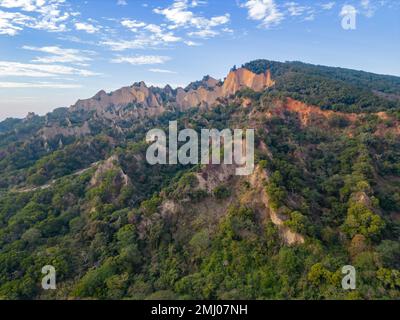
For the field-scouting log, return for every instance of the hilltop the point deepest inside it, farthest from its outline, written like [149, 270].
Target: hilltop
[77, 192]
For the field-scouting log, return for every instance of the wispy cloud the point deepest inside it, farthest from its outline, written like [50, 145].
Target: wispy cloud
[153, 33]
[180, 22]
[296, 9]
[205, 33]
[39, 85]
[87, 27]
[61, 55]
[265, 11]
[162, 71]
[11, 23]
[142, 41]
[328, 5]
[133, 25]
[141, 60]
[180, 15]
[192, 43]
[49, 15]
[368, 8]
[122, 45]
[17, 69]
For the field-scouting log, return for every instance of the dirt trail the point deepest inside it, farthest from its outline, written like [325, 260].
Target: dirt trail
[51, 183]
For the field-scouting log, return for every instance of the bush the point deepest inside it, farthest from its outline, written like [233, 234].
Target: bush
[361, 220]
[297, 222]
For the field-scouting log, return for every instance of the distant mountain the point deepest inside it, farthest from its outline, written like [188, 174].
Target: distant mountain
[203, 94]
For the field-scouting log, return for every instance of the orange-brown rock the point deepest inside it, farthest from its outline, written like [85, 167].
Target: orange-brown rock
[307, 112]
[243, 78]
[139, 94]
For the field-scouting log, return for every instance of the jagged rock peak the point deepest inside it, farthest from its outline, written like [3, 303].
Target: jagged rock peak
[200, 93]
[207, 82]
[100, 94]
[140, 84]
[242, 77]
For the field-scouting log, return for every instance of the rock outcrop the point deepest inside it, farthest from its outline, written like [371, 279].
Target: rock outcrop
[243, 78]
[139, 101]
[136, 94]
[257, 181]
[50, 132]
[111, 164]
[204, 93]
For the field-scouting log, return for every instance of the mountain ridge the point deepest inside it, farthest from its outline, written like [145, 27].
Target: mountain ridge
[77, 193]
[380, 87]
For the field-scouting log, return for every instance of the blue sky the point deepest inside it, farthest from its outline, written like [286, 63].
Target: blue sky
[53, 52]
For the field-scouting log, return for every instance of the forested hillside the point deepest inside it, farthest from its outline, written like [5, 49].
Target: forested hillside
[333, 88]
[77, 193]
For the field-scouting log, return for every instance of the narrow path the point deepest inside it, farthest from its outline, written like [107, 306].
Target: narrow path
[48, 185]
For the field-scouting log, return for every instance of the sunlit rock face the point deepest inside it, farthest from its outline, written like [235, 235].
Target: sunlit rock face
[243, 78]
[138, 93]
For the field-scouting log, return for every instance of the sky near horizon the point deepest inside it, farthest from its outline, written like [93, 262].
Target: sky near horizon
[54, 52]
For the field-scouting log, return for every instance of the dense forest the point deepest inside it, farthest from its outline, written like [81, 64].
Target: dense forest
[332, 88]
[115, 227]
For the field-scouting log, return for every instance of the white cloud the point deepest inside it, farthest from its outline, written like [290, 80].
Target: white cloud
[205, 33]
[169, 37]
[181, 17]
[133, 25]
[178, 13]
[76, 39]
[11, 23]
[192, 43]
[265, 11]
[220, 20]
[43, 15]
[162, 71]
[122, 45]
[368, 9]
[122, 3]
[153, 28]
[310, 17]
[328, 5]
[295, 9]
[17, 69]
[61, 55]
[141, 60]
[39, 85]
[87, 27]
[27, 5]
[365, 4]
[157, 32]
[146, 36]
